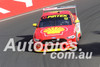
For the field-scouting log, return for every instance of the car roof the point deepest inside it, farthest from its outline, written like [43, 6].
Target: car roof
[56, 13]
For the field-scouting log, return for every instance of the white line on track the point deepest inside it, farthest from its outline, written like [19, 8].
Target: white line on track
[34, 11]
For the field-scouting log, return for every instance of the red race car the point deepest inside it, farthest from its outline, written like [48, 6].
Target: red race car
[58, 27]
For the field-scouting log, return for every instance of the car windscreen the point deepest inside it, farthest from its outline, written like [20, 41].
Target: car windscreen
[55, 20]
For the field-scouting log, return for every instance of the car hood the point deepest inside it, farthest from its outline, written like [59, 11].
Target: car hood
[54, 32]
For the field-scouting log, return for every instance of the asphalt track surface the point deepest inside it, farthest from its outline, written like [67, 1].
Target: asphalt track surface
[21, 30]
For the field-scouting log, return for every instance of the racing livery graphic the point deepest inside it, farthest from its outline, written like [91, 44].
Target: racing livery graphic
[57, 24]
[54, 30]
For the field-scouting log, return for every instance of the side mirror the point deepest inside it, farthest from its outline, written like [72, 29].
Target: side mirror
[77, 21]
[34, 24]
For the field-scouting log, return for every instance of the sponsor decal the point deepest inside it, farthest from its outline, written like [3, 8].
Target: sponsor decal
[54, 30]
[56, 16]
[51, 31]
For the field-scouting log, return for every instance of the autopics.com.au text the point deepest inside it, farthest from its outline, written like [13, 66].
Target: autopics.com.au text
[59, 55]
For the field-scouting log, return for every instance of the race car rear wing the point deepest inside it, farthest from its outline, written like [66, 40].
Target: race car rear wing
[60, 8]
